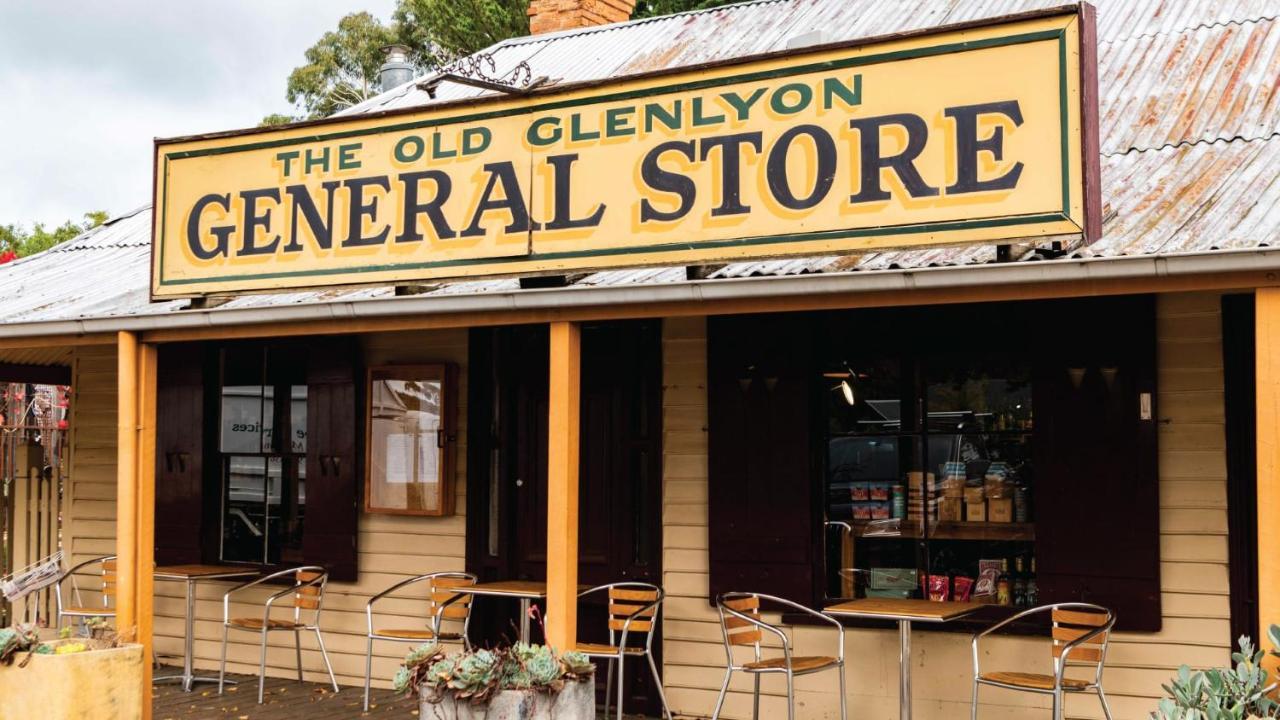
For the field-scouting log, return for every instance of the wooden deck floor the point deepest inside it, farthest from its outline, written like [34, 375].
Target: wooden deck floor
[283, 700]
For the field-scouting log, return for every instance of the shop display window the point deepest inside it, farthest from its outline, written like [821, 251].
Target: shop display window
[928, 476]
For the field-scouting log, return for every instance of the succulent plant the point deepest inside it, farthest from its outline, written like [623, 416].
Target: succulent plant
[577, 663]
[543, 667]
[474, 673]
[477, 674]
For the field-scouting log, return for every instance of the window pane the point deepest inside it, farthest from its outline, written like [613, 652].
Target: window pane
[977, 394]
[298, 420]
[275, 506]
[242, 419]
[244, 517]
[863, 398]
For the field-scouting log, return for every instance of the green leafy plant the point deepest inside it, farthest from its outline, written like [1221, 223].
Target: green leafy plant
[475, 675]
[21, 638]
[1231, 693]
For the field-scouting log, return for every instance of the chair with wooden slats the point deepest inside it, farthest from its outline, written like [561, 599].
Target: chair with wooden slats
[443, 604]
[1080, 635]
[743, 625]
[305, 597]
[634, 609]
[104, 575]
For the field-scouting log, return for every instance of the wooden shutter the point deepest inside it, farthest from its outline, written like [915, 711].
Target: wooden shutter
[1096, 494]
[180, 446]
[761, 456]
[334, 422]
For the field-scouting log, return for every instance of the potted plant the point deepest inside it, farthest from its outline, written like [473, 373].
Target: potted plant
[1233, 693]
[522, 682]
[95, 678]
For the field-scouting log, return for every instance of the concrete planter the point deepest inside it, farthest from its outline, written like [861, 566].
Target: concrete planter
[94, 685]
[577, 701]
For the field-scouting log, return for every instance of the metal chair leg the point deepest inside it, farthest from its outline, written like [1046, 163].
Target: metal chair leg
[222, 669]
[325, 655]
[297, 646]
[262, 666]
[724, 688]
[1106, 708]
[657, 683]
[608, 688]
[791, 696]
[368, 673]
[755, 698]
[1057, 705]
[844, 702]
[621, 686]
[973, 712]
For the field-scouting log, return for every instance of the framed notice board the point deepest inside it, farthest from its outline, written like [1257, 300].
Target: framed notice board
[412, 439]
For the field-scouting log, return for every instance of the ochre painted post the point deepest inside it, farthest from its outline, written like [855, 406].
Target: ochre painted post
[146, 517]
[135, 498]
[562, 486]
[1268, 399]
[126, 482]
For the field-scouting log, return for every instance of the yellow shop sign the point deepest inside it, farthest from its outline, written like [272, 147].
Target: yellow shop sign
[974, 134]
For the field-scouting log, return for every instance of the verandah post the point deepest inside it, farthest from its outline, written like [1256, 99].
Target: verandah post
[135, 496]
[562, 485]
[1267, 325]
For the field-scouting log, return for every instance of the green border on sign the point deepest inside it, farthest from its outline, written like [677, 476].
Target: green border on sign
[946, 49]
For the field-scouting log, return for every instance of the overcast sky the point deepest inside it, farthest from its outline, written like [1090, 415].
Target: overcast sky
[85, 85]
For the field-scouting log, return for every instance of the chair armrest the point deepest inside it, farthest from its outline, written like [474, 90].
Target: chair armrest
[836, 626]
[786, 642]
[226, 597]
[626, 624]
[368, 607]
[1061, 660]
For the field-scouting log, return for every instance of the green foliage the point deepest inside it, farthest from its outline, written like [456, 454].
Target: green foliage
[477, 674]
[22, 242]
[440, 30]
[276, 119]
[1232, 693]
[342, 67]
[20, 638]
[654, 8]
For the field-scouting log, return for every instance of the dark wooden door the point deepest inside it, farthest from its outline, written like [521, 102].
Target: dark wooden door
[619, 474]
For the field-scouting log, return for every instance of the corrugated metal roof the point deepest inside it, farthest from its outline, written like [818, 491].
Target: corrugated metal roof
[1190, 122]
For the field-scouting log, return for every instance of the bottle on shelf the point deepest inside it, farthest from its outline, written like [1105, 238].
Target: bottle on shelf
[1033, 592]
[1004, 589]
[1019, 583]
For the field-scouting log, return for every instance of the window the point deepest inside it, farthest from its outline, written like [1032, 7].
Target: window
[411, 440]
[928, 472]
[263, 472]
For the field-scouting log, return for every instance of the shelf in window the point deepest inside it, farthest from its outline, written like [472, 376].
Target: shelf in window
[959, 531]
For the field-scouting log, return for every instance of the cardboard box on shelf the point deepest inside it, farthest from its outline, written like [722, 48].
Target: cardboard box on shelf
[951, 510]
[1000, 511]
[975, 512]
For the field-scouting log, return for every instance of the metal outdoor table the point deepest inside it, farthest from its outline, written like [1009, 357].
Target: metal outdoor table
[192, 574]
[526, 591]
[904, 612]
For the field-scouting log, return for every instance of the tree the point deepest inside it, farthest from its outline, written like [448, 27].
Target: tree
[342, 67]
[16, 241]
[439, 31]
[654, 8]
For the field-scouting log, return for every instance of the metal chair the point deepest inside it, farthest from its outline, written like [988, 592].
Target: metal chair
[633, 610]
[306, 593]
[1081, 632]
[741, 624]
[443, 605]
[107, 574]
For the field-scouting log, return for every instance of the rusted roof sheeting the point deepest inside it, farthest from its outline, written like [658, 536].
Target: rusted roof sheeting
[1211, 83]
